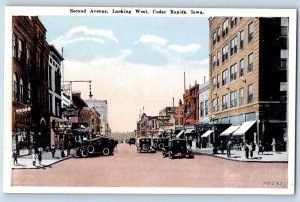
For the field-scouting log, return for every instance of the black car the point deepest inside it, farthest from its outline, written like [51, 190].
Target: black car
[102, 145]
[159, 143]
[144, 144]
[175, 147]
[131, 141]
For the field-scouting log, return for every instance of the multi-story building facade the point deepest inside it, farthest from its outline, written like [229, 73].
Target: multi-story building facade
[54, 84]
[179, 115]
[147, 126]
[248, 76]
[30, 111]
[203, 103]
[191, 105]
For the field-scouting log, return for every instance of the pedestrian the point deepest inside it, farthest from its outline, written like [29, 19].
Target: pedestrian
[15, 156]
[247, 149]
[40, 158]
[260, 148]
[190, 140]
[33, 158]
[252, 149]
[228, 148]
[222, 146]
[69, 148]
[53, 150]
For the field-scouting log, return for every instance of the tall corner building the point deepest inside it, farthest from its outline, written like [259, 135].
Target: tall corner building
[248, 78]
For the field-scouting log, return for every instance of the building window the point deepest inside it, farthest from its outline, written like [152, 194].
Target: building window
[201, 109]
[284, 26]
[233, 70]
[206, 107]
[50, 104]
[250, 62]
[224, 102]
[214, 38]
[218, 58]
[242, 39]
[233, 46]
[233, 100]
[15, 88]
[225, 27]
[224, 77]
[283, 59]
[225, 53]
[214, 105]
[14, 45]
[233, 21]
[20, 49]
[28, 56]
[241, 96]
[213, 83]
[218, 102]
[250, 93]
[213, 62]
[250, 32]
[21, 91]
[241, 68]
[29, 92]
[50, 77]
[218, 34]
[218, 81]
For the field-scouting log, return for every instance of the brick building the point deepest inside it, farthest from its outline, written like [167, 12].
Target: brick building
[191, 105]
[248, 77]
[30, 111]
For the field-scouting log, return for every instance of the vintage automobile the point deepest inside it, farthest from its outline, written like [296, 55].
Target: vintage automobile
[100, 145]
[131, 141]
[159, 143]
[177, 146]
[144, 144]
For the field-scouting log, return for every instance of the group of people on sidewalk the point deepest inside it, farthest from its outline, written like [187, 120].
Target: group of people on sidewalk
[248, 147]
[36, 156]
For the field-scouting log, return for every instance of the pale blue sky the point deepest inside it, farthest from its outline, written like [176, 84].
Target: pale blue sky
[133, 62]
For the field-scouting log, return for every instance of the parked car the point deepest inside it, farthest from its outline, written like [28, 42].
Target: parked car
[131, 141]
[159, 143]
[144, 144]
[101, 145]
[175, 147]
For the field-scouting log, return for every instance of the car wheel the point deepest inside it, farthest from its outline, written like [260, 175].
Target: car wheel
[161, 145]
[91, 149]
[170, 155]
[155, 145]
[105, 151]
[164, 153]
[84, 152]
[77, 153]
[145, 147]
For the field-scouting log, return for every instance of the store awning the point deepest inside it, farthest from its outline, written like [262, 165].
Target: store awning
[207, 133]
[189, 130]
[179, 134]
[244, 128]
[230, 130]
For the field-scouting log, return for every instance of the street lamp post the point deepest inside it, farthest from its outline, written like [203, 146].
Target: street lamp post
[257, 129]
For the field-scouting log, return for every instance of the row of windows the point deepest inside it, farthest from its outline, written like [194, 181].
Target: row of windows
[216, 37]
[233, 73]
[233, 46]
[20, 50]
[204, 108]
[233, 99]
[18, 90]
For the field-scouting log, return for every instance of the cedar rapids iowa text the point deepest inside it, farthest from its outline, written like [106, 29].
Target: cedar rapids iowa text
[137, 11]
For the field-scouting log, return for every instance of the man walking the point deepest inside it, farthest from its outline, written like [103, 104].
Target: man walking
[15, 156]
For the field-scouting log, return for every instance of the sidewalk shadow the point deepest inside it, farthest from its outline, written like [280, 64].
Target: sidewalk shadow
[257, 158]
[18, 164]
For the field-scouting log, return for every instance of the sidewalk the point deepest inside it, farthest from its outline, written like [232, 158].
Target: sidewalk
[25, 162]
[268, 156]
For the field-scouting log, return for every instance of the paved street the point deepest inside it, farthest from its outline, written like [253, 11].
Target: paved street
[127, 168]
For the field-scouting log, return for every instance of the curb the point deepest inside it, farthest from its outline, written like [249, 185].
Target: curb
[43, 167]
[232, 159]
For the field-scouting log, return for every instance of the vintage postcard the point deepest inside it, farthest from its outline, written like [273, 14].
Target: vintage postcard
[149, 100]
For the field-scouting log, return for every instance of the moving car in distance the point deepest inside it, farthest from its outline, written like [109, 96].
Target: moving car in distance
[177, 147]
[144, 144]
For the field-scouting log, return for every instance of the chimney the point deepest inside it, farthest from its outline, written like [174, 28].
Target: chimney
[173, 101]
[204, 78]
